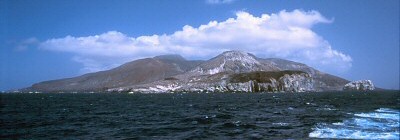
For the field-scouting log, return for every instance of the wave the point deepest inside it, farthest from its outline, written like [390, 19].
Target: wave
[383, 123]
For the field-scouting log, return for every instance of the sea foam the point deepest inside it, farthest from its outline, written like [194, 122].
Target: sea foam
[383, 123]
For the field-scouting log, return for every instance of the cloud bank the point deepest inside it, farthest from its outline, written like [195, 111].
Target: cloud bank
[286, 35]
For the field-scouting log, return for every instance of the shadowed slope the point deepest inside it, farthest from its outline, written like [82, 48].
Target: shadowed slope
[132, 73]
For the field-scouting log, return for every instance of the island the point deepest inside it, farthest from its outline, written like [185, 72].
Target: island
[231, 71]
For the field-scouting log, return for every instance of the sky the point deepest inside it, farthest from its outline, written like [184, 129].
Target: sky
[51, 39]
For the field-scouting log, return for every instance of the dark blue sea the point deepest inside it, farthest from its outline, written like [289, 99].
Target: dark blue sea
[353, 115]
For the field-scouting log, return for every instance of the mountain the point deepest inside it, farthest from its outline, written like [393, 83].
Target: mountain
[132, 73]
[231, 71]
[220, 74]
[323, 81]
[233, 61]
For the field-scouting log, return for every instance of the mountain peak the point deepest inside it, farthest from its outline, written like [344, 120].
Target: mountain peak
[239, 56]
[169, 57]
[230, 61]
[234, 52]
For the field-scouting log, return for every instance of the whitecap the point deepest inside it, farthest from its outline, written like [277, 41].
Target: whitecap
[325, 109]
[379, 115]
[383, 123]
[281, 124]
[387, 110]
[338, 123]
[351, 134]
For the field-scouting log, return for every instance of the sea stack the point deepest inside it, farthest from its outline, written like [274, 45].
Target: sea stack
[360, 85]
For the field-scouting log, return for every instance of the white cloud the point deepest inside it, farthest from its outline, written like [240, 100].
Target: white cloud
[219, 1]
[285, 35]
[25, 44]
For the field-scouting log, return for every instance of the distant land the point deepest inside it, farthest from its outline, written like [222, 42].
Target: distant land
[231, 71]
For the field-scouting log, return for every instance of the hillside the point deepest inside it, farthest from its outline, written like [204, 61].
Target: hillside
[171, 73]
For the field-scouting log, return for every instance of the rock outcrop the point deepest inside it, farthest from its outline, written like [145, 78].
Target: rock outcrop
[281, 81]
[360, 85]
[322, 81]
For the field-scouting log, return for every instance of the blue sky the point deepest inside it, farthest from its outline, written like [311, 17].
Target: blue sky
[44, 40]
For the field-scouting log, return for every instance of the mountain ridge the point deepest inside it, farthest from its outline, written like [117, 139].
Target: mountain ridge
[174, 70]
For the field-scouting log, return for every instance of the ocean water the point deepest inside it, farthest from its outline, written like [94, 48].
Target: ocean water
[341, 115]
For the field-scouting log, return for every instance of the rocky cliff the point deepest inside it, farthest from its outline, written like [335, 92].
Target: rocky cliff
[278, 81]
[322, 81]
[360, 85]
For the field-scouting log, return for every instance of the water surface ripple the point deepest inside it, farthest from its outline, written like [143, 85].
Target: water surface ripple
[196, 116]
